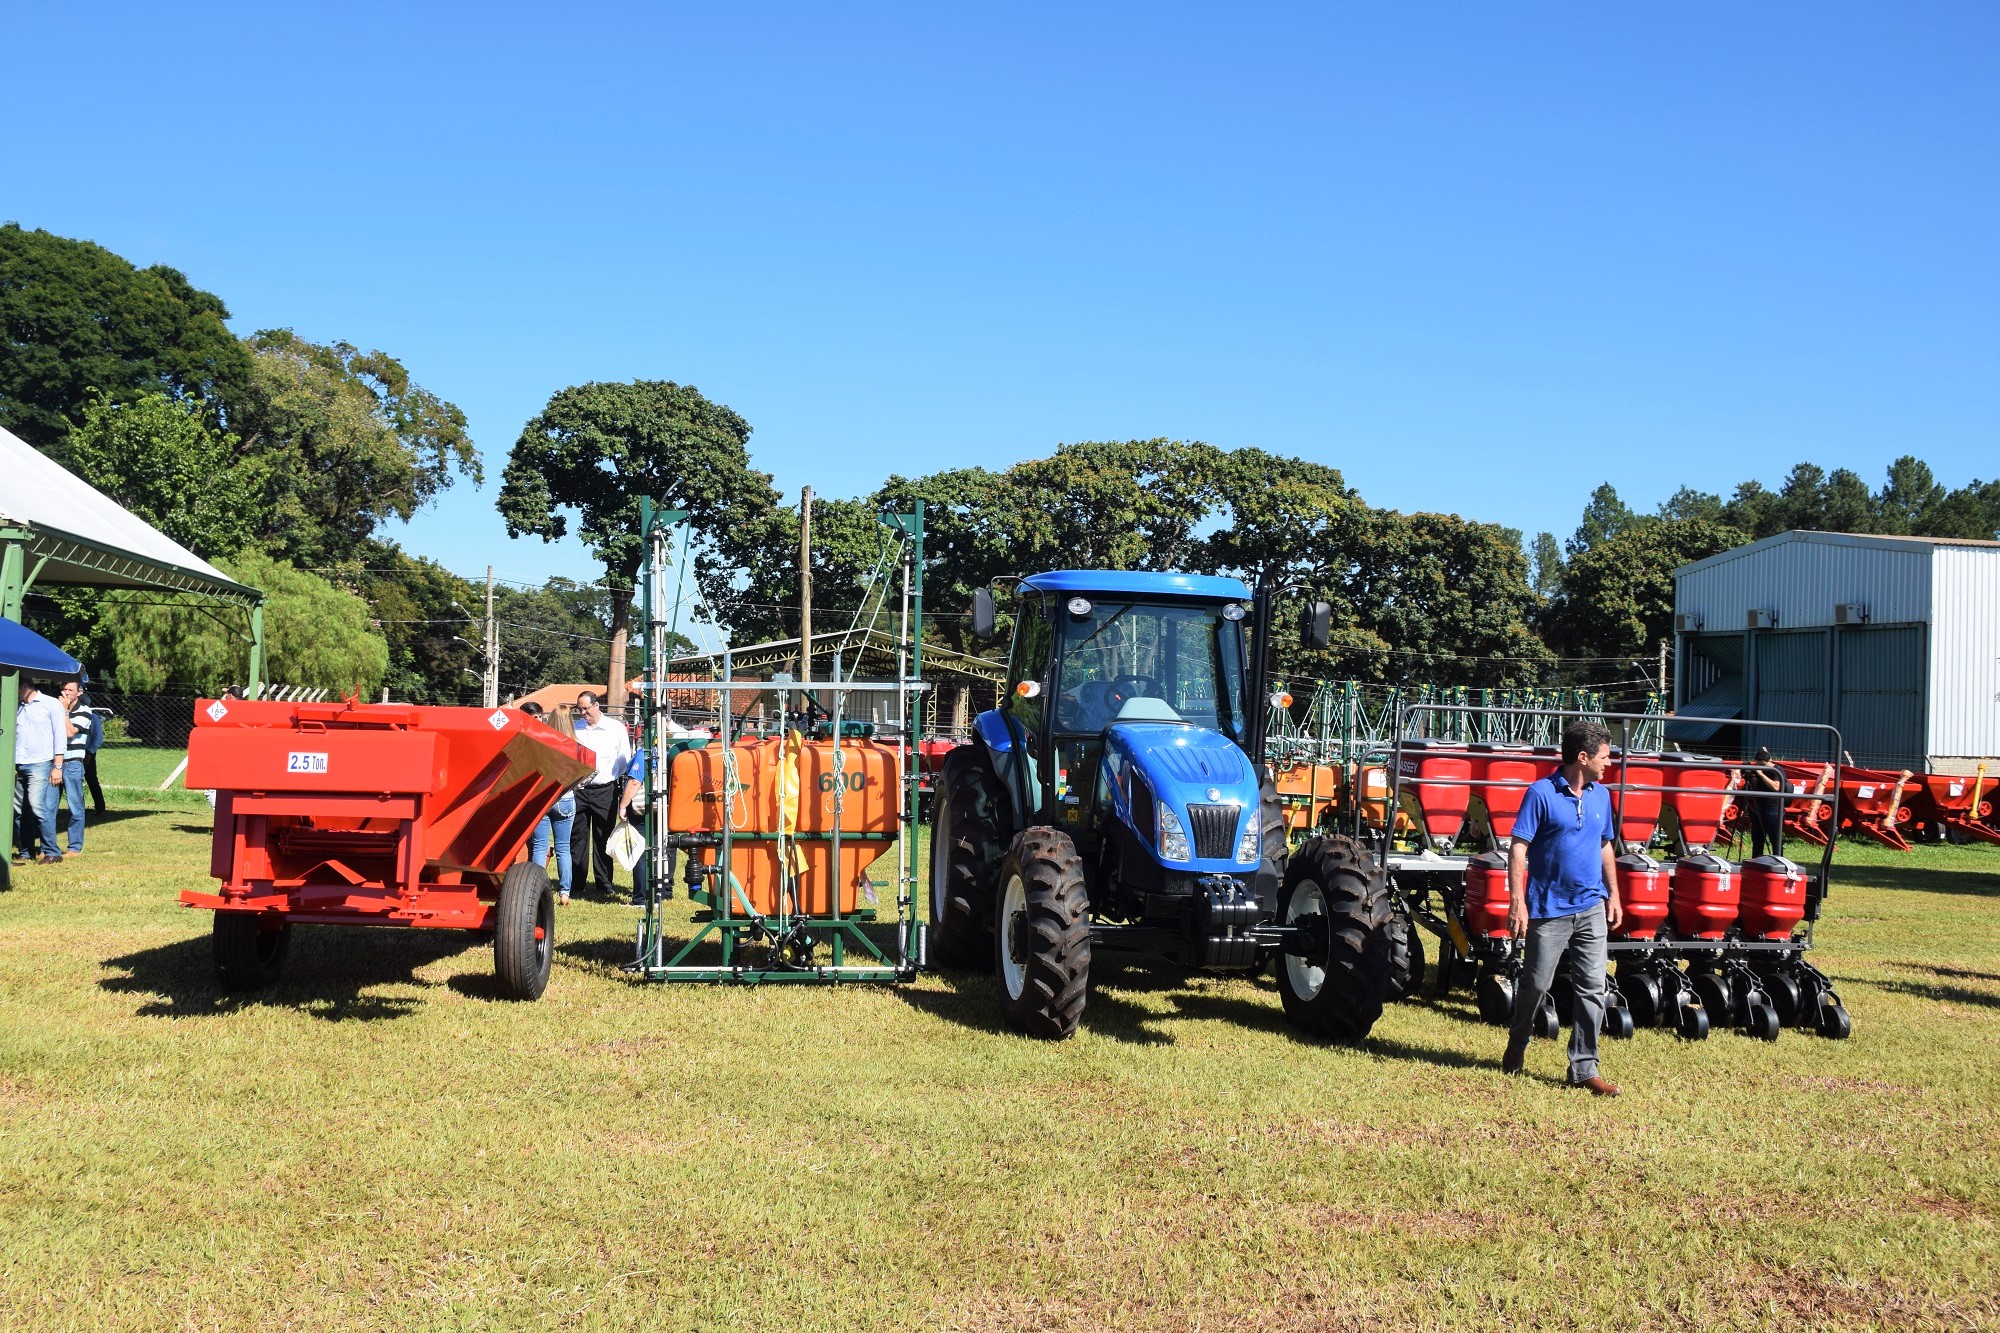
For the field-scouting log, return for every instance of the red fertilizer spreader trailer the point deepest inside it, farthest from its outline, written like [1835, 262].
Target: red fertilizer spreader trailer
[377, 815]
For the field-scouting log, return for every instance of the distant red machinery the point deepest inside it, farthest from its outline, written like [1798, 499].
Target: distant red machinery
[377, 815]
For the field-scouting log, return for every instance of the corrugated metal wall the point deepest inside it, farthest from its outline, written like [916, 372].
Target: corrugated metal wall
[1881, 716]
[1965, 653]
[1802, 578]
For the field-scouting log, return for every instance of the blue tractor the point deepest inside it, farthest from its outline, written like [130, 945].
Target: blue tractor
[1117, 800]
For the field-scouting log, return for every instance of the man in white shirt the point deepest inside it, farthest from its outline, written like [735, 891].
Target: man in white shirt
[41, 734]
[597, 799]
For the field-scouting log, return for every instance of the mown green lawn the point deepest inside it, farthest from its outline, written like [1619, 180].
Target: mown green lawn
[380, 1143]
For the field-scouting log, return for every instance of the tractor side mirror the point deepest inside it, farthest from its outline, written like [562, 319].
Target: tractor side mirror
[983, 614]
[1318, 628]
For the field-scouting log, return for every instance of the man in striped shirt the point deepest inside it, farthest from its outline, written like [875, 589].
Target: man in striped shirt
[80, 722]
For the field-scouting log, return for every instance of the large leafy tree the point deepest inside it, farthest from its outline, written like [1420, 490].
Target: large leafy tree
[160, 459]
[78, 323]
[596, 449]
[315, 634]
[348, 441]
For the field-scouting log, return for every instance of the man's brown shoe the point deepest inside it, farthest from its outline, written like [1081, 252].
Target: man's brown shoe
[1599, 1086]
[1515, 1058]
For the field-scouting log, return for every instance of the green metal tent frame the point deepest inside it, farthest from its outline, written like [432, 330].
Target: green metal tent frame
[31, 553]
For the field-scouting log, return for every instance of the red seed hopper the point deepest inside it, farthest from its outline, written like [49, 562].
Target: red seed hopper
[377, 814]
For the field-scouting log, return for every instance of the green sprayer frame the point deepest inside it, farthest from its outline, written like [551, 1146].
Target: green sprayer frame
[787, 946]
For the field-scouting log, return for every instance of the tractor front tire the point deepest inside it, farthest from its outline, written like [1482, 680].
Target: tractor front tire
[1041, 934]
[524, 933]
[249, 950]
[1341, 901]
[1277, 849]
[968, 838]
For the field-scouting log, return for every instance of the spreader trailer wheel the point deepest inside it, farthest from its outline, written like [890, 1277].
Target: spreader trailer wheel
[1334, 974]
[250, 949]
[524, 932]
[1042, 935]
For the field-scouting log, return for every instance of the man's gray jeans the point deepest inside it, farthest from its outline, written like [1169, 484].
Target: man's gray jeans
[1582, 936]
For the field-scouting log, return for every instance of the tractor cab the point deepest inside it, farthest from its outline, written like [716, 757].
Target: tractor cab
[1102, 677]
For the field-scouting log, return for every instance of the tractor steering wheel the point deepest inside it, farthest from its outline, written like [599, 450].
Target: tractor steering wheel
[1131, 687]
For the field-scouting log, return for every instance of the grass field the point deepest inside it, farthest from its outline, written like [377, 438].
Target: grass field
[379, 1143]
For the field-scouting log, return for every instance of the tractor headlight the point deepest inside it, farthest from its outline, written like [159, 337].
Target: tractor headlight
[1173, 837]
[1250, 847]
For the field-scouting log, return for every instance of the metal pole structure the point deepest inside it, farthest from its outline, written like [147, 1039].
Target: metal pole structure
[491, 698]
[13, 585]
[805, 584]
[1663, 668]
[254, 687]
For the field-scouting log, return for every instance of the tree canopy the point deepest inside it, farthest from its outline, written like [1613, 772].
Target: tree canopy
[78, 323]
[160, 459]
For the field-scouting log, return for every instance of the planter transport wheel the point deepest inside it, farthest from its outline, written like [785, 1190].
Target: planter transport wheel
[1042, 934]
[1761, 1021]
[1496, 998]
[1642, 998]
[524, 933]
[1548, 1023]
[1834, 1024]
[1712, 990]
[249, 949]
[1618, 1023]
[1693, 1022]
[1339, 900]
[1786, 996]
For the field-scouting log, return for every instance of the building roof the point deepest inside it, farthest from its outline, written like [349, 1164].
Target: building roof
[1137, 583]
[81, 536]
[1867, 540]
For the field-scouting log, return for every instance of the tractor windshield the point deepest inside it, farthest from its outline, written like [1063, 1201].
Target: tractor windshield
[1140, 661]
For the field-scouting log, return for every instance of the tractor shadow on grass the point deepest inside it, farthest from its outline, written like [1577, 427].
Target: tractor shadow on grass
[328, 974]
[1122, 1007]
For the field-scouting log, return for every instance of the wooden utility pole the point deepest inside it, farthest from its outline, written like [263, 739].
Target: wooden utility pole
[492, 682]
[805, 583]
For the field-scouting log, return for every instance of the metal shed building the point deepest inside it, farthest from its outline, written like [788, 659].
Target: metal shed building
[1894, 640]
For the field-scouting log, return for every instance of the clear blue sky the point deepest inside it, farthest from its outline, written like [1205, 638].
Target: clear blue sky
[1480, 257]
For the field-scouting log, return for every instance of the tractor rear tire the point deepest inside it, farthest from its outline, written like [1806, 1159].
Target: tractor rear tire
[1338, 989]
[968, 838]
[1406, 953]
[1041, 935]
[524, 933]
[249, 950]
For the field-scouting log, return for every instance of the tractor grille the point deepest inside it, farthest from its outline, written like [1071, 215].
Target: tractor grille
[1214, 830]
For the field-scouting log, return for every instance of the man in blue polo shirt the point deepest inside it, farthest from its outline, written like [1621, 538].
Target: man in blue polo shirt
[1563, 871]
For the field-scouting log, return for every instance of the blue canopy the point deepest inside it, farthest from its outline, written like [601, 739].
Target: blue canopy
[21, 648]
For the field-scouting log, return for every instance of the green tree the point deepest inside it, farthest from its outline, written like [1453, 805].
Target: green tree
[348, 441]
[1755, 511]
[315, 634]
[413, 603]
[1604, 516]
[1618, 597]
[1688, 502]
[77, 322]
[158, 458]
[1546, 566]
[597, 449]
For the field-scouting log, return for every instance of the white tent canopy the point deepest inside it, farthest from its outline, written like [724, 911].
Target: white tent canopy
[76, 534]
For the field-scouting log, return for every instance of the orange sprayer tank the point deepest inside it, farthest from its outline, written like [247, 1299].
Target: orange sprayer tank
[863, 780]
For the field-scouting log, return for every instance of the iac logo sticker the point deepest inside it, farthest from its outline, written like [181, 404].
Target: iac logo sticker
[216, 712]
[499, 718]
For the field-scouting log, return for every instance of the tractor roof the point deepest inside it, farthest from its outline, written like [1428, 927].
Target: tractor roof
[1138, 583]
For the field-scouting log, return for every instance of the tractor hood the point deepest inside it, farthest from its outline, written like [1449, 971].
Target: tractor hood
[1184, 767]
